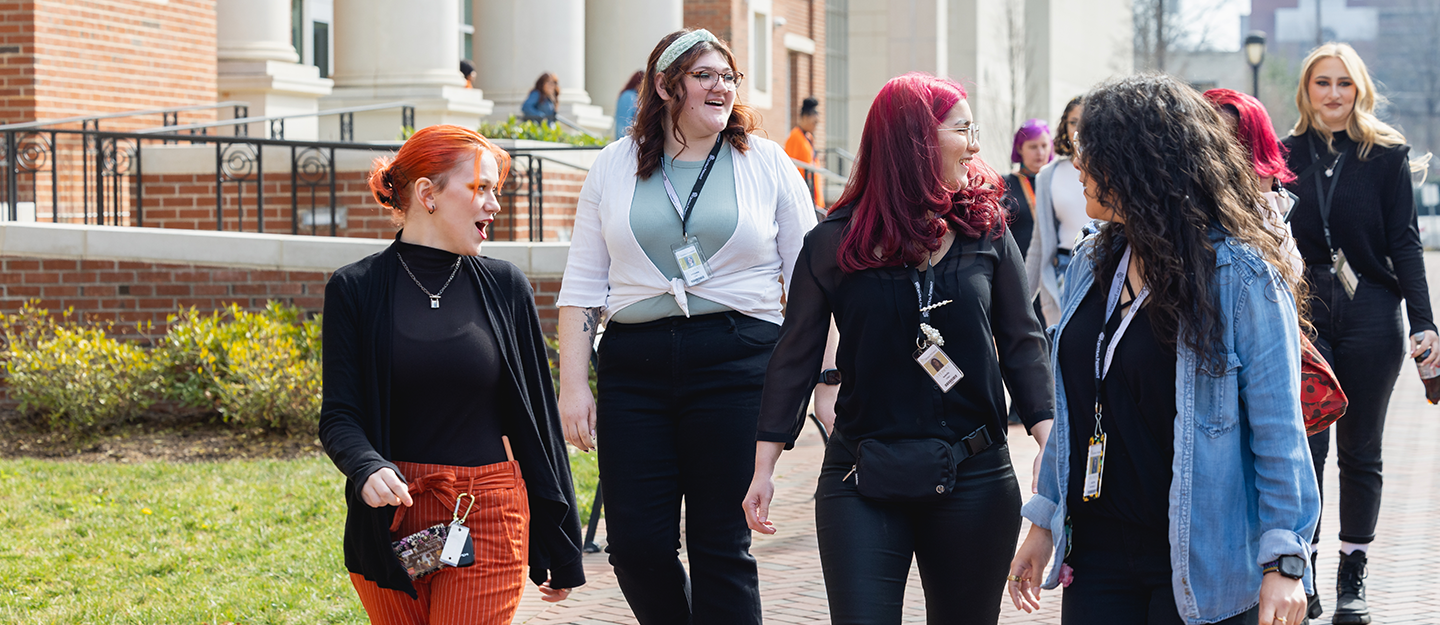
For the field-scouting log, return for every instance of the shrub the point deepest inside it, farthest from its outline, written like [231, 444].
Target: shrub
[514, 129]
[74, 375]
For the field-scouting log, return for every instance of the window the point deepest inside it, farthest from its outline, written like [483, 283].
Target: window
[758, 74]
[296, 31]
[467, 30]
[321, 32]
[837, 81]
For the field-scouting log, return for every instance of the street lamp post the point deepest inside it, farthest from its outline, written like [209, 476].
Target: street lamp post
[1255, 55]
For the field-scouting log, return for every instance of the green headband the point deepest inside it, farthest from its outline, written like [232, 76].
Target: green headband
[683, 45]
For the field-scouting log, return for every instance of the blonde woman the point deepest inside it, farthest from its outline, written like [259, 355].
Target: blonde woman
[1355, 226]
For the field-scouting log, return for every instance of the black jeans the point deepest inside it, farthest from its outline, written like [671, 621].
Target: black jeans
[963, 543]
[1364, 341]
[678, 404]
[1122, 577]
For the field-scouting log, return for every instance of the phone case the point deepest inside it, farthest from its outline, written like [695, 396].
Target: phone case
[419, 553]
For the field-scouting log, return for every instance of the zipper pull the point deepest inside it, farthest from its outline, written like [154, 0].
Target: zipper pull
[852, 472]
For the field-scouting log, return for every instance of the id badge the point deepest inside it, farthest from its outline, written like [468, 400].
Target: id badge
[1094, 467]
[1348, 279]
[458, 547]
[691, 258]
[937, 363]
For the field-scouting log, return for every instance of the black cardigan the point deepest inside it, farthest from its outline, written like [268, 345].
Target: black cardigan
[355, 415]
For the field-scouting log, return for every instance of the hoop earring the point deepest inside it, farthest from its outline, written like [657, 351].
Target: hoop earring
[431, 208]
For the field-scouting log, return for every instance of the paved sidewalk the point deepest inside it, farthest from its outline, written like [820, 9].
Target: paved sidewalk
[1402, 557]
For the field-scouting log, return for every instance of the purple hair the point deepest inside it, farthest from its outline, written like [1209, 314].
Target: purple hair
[1031, 129]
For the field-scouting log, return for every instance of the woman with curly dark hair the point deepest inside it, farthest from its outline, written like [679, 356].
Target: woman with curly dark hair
[690, 287]
[1177, 485]
[928, 289]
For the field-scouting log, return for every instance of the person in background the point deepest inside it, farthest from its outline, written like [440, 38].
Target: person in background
[1247, 118]
[1176, 487]
[800, 145]
[436, 386]
[467, 70]
[544, 99]
[683, 233]
[625, 104]
[919, 209]
[1356, 227]
[1031, 150]
[1059, 216]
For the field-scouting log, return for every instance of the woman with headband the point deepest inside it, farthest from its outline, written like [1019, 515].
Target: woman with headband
[684, 232]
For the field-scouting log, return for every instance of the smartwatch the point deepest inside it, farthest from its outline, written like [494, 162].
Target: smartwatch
[830, 377]
[1292, 567]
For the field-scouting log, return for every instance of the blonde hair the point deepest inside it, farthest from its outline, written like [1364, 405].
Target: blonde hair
[1363, 126]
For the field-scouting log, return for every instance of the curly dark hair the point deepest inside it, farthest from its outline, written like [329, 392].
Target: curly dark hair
[1162, 159]
[1063, 130]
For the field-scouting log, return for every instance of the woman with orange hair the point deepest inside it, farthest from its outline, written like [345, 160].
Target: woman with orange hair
[438, 400]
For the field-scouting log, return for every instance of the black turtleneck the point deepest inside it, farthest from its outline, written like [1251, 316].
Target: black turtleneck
[1372, 218]
[444, 408]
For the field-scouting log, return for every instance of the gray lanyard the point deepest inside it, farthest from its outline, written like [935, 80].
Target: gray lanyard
[1103, 368]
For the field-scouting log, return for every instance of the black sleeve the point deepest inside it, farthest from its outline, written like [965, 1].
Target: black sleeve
[342, 403]
[1402, 233]
[795, 365]
[1019, 338]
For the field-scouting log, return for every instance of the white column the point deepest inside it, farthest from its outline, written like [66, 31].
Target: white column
[257, 64]
[521, 39]
[388, 51]
[619, 35]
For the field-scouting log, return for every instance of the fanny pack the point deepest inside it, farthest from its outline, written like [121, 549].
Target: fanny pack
[912, 469]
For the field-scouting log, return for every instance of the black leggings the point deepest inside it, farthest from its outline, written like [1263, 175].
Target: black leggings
[678, 404]
[1122, 577]
[1363, 341]
[963, 543]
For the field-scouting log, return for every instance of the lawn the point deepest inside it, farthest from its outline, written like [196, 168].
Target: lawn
[242, 541]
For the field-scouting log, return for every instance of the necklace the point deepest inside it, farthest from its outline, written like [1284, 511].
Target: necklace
[434, 297]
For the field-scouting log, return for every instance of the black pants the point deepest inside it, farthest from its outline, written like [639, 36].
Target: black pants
[963, 543]
[1122, 577]
[1364, 341]
[678, 404]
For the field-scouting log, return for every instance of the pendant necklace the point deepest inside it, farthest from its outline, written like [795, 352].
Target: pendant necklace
[434, 297]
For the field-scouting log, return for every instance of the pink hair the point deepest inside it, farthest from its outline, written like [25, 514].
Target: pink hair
[898, 180]
[1254, 132]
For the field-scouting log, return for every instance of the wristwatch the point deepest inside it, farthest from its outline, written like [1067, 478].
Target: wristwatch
[830, 377]
[1292, 567]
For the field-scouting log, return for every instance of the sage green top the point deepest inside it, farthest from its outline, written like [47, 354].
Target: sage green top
[657, 227]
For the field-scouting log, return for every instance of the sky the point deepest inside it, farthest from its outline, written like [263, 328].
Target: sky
[1219, 20]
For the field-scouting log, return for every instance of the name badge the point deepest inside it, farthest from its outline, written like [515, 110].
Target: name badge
[458, 547]
[1094, 467]
[691, 258]
[937, 363]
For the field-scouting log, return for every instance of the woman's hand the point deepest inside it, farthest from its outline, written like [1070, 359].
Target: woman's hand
[1041, 432]
[1028, 566]
[762, 487]
[384, 488]
[553, 595]
[1428, 341]
[577, 416]
[1282, 600]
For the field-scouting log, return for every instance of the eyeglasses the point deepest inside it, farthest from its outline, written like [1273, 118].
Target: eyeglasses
[971, 130]
[707, 79]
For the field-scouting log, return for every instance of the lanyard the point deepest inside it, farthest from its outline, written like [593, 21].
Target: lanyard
[1029, 190]
[694, 192]
[926, 302]
[1102, 369]
[1325, 198]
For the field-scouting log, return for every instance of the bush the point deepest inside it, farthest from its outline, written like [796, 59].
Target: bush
[72, 375]
[514, 129]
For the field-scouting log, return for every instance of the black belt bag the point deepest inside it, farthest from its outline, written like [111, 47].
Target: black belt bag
[915, 469]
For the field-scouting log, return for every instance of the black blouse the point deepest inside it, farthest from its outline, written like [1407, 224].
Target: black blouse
[884, 393]
[1372, 218]
[444, 408]
[1022, 224]
[1139, 419]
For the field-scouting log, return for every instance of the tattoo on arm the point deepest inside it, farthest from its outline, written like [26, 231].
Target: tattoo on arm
[591, 325]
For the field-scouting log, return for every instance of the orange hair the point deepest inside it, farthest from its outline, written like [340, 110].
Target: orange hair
[430, 153]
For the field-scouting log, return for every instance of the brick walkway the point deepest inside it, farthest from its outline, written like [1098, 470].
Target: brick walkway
[1402, 557]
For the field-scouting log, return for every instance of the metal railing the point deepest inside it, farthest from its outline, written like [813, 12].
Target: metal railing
[237, 183]
[169, 116]
[241, 123]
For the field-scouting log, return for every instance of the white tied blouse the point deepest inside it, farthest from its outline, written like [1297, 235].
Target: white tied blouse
[608, 269]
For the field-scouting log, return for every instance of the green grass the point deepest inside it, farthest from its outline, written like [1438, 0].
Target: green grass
[247, 542]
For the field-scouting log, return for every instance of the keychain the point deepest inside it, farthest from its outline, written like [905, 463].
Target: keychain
[459, 549]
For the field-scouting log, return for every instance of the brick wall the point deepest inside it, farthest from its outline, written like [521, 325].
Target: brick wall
[129, 294]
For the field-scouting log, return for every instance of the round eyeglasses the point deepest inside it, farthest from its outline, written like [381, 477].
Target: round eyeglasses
[708, 78]
[971, 130]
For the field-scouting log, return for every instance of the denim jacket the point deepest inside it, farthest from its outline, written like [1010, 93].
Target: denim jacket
[1244, 490]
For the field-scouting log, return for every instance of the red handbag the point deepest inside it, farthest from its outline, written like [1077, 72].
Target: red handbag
[1321, 399]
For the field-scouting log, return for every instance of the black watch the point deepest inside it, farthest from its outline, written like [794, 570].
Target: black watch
[830, 377]
[1292, 567]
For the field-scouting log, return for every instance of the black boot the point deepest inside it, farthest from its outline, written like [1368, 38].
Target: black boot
[1313, 608]
[1350, 606]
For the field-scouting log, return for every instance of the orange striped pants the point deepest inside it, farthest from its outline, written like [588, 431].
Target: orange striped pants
[483, 593]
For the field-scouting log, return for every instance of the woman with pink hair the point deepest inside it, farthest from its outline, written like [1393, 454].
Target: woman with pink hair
[928, 290]
[1247, 117]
